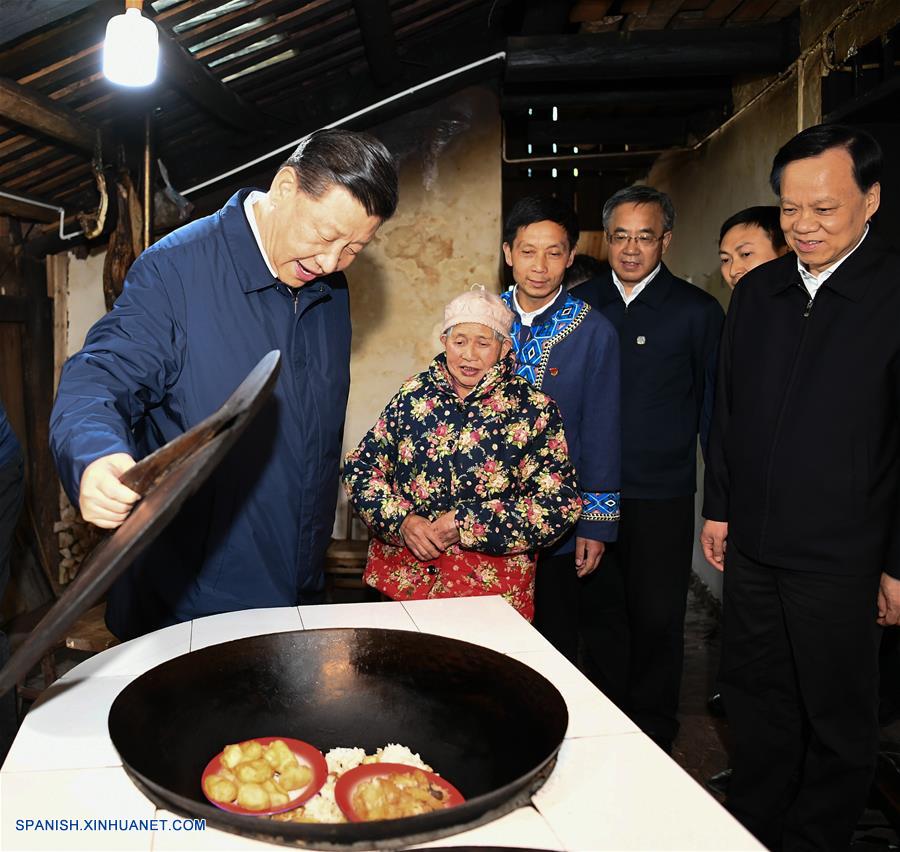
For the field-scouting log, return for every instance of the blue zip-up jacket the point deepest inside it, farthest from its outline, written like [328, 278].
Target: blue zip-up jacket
[572, 353]
[198, 311]
[9, 444]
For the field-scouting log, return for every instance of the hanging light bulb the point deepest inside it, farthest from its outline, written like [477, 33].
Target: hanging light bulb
[131, 49]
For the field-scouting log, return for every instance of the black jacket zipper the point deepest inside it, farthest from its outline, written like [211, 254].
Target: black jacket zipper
[784, 403]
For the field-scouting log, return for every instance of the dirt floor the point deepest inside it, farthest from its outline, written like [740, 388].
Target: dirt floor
[701, 746]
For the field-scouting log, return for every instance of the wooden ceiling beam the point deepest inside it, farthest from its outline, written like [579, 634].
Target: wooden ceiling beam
[325, 37]
[45, 117]
[659, 131]
[22, 17]
[751, 10]
[646, 54]
[589, 10]
[377, 28]
[337, 46]
[26, 211]
[198, 84]
[656, 17]
[42, 47]
[545, 17]
[55, 179]
[182, 71]
[282, 14]
[607, 160]
[323, 103]
[180, 13]
[341, 53]
[718, 10]
[36, 157]
[695, 96]
[332, 39]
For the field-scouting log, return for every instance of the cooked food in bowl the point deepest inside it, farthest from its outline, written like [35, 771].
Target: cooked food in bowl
[392, 791]
[264, 775]
[330, 804]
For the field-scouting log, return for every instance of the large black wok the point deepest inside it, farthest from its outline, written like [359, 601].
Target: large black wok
[489, 724]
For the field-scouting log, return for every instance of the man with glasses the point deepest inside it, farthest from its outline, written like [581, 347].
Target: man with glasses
[668, 333]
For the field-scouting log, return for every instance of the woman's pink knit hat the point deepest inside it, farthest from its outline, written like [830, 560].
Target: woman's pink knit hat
[477, 305]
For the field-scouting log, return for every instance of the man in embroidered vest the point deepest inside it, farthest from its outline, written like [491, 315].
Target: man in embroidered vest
[668, 333]
[571, 353]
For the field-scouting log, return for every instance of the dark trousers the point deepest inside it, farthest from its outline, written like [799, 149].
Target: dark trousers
[635, 648]
[799, 676]
[565, 605]
[11, 493]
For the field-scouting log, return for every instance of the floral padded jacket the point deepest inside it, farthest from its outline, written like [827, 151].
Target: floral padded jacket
[498, 458]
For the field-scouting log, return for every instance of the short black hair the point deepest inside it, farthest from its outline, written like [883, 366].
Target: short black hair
[860, 145]
[356, 161]
[640, 194]
[763, 216]
[539, 208]
[584, 267]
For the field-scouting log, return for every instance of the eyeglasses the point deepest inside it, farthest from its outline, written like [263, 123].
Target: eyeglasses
[646, 240]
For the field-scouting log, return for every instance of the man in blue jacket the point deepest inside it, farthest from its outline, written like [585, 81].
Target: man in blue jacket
[668, 333]
[571, 353]
[198, 311]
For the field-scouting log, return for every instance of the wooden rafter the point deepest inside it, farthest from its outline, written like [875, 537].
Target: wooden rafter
[24, 210]
[377, 28]
[604, 99]
[43, 116]
[197, 83]
[685, 53]
[660, 131]
[21, 17]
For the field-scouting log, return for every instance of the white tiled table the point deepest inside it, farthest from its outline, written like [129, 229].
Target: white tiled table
[611, 789]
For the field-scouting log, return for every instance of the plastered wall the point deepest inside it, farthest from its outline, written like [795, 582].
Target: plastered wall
[728, 173]
[444, 237]
[84, 302]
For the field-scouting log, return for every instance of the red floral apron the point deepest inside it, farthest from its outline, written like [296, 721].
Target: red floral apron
[456, 573]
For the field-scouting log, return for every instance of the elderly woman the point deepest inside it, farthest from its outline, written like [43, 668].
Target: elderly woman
[465, 474]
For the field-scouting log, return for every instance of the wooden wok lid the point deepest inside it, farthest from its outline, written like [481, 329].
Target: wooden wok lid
[164, 479]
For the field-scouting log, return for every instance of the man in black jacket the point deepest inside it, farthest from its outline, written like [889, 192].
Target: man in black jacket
[668, 331]
[802, 480]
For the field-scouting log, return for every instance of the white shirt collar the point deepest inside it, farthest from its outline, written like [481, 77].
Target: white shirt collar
[249, 201]
[813, 282]
[528, 317]
[628, 298]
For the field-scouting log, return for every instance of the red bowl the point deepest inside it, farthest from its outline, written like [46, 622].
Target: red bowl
[307, 755]
[346, 784]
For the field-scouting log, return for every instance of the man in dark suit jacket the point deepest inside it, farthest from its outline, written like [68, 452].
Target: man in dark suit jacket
[668, 332]
[803, 480]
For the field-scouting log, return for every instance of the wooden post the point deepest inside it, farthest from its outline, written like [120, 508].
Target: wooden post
[43, 483]
[377, 30]
[148, 184]
[58, 291]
